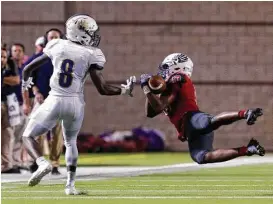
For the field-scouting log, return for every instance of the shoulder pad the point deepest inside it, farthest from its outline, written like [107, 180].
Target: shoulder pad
[51, 43]
[49, 46]
[97, 57]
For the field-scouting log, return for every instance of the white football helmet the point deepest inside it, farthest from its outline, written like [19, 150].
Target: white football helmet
[176, 63]
[83, 29]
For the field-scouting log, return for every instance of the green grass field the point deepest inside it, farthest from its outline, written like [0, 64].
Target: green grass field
[127, 159]
[236, 185]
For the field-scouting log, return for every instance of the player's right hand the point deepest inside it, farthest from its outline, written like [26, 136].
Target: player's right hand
[26, 109]
[27, 84]
[144, 78]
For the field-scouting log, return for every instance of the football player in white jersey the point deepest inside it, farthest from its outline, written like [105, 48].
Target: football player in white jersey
[72, 59]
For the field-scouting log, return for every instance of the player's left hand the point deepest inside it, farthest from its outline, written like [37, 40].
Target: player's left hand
[127, 89]
[27, 84]
[144, 78]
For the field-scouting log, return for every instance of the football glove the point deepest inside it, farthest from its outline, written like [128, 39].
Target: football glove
[126, 89]
[144, 78]
[27, 84]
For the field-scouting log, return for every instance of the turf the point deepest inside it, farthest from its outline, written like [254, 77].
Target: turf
[236, 185]
[129, 159]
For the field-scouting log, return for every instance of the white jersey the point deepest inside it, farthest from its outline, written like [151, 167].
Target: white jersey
[71, 63]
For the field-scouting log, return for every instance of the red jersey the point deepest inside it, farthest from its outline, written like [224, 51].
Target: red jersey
[183, 88]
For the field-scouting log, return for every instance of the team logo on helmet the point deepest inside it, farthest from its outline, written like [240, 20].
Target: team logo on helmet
[180, 58]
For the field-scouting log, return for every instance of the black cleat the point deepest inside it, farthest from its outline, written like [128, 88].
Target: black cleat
[254, 147]
[252, 115]
[33, 167]
[55, 171]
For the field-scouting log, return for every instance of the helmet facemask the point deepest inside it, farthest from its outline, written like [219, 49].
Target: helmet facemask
[91, 38]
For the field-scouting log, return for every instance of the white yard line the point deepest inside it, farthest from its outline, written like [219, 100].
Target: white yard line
[161, 185]
[136, 197]
[139, 191]
[198, 180]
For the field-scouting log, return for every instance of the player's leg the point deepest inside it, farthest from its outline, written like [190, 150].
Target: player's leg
[71, 158]
[221, 155]
[200, 140]
[202, 152]
[41, 121]
[71, 125]
[227, 118]
[40, 140]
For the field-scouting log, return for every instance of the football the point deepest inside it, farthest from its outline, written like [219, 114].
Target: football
[157, 84]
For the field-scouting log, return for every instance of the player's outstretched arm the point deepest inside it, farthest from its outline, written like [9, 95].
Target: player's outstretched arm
[35, 64]
[27, 79]
[108, 89]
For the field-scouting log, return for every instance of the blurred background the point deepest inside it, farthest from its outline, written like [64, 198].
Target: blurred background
[230, 44]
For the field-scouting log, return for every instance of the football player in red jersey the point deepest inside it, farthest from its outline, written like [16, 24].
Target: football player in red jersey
[178, 102]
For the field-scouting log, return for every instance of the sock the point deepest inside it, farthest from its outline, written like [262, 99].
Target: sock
[242, 113]
[242, 150]
[40, 160]
[71, 174]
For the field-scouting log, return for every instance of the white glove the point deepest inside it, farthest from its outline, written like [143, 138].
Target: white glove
[27, 84]
[126, 89]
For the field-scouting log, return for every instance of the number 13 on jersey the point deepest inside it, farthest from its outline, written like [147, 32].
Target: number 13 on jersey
[66, 77]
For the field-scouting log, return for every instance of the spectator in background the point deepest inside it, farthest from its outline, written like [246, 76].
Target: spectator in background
[39, 44]
[17, 54]
[25, 58]
[41, 90]
[9, 78]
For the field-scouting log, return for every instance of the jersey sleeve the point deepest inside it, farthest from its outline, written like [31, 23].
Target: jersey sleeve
[49, 46]
[97, 59]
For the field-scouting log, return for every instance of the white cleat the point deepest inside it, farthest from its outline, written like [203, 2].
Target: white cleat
[71, 190]
[37, 176]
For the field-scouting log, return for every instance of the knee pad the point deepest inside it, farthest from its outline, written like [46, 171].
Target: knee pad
[199, 156]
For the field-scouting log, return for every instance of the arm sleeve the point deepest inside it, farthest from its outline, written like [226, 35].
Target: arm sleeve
[97, 60]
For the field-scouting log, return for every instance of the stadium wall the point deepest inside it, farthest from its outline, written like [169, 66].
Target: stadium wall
[230, 44]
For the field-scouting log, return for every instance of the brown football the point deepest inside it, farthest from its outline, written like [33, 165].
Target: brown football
[157, 84]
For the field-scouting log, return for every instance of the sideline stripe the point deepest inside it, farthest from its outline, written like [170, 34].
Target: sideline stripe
[166, 185]
[141, 191]
[139, 197]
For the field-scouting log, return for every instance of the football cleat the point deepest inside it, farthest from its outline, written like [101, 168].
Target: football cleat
[37, 176]
[55, 171]
[254, 147]
[252, 114]
[71, 190]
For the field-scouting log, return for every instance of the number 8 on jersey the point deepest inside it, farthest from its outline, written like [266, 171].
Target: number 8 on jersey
[66, 76]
